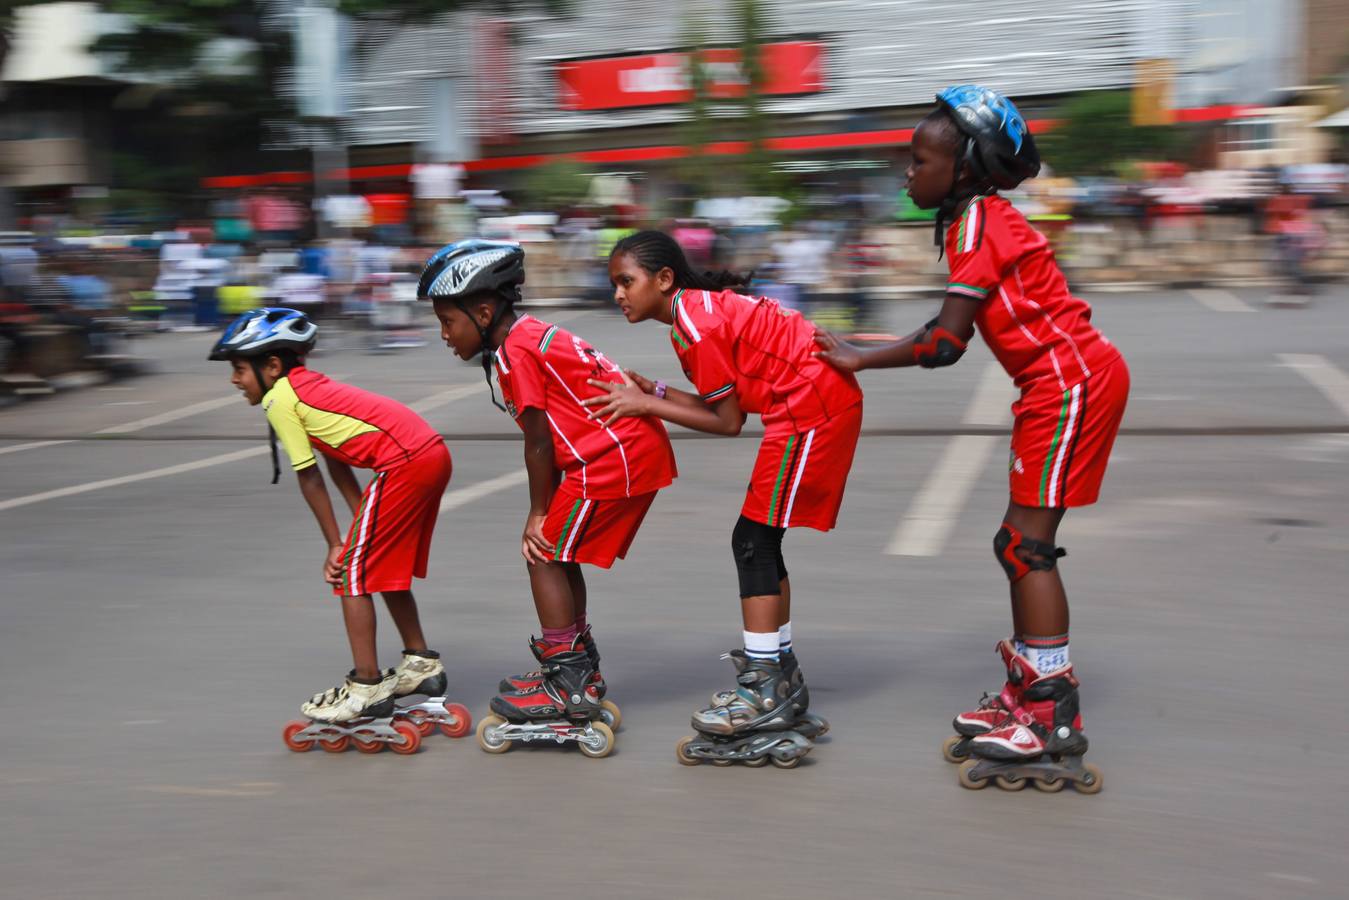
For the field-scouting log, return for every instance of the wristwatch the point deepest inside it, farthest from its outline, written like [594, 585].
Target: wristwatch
[660, 390]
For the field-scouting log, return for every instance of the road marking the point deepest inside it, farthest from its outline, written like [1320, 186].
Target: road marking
[171, 415]
[1285, 876]
[1220, 301]
[456, 499]
[434, 401]
[221, 459]
[32, 445]
[1323, 374]
[932, 515]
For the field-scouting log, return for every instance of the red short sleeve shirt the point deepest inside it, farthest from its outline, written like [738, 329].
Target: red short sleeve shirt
[1035, 327]
[541, 366]
[762, 352]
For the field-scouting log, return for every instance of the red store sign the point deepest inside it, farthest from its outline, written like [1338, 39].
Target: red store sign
[790, 67]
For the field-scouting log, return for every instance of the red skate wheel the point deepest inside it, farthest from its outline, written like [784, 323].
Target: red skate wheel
[298, 745]
[419, 718]
[335, 745]
[370, 746]
[412, 738]
[463, 720]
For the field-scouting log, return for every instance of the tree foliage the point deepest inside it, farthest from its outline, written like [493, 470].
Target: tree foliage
[1096, 136]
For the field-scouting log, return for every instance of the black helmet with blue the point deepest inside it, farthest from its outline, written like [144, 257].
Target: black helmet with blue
[998, 144]
[464, 269]
[259, 332]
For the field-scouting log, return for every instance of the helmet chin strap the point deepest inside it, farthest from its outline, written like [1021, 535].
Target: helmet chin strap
[271, 432]
[954, 197]
[484, 333]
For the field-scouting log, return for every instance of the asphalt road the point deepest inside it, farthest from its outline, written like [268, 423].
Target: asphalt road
[157, 631]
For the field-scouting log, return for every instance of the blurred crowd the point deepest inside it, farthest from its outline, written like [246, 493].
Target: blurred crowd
[72, 293]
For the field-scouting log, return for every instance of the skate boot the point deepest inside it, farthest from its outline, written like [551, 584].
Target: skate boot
[531, 680]
[1040, 741]
[420, 674]
[808, 724]
[357, 712]
[992, 711]
[564, 707]
[755, 726]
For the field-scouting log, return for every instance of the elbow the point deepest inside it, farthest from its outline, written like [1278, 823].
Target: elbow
[732, 429]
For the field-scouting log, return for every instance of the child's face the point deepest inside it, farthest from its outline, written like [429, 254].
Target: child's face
[639, 294]
[245, 378]
[932, 170]
[457, 329]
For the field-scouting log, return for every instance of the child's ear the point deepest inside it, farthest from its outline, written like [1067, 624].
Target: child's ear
[665, 279]
[482, 314]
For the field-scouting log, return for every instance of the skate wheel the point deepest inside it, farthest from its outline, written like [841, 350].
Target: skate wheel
[722, 763]
[610, 715]
[599, 746]
[412, 739]
[1010, 782]
[490, 737]
[296, 744]
[967, 777]
[682, 752]
[791, 763]
[757, 762]
[1091, 780]
[1050, 785]
[335, 745]
[418, 718]
[954, 750]
[463, 721]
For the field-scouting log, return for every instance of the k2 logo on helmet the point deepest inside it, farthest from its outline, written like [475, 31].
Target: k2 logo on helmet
[456, 276]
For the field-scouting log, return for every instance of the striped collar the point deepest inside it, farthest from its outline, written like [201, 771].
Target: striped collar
[674, 302]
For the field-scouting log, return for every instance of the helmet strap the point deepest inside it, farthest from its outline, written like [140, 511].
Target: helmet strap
[485, 333]
[271, 433]
[955, 196]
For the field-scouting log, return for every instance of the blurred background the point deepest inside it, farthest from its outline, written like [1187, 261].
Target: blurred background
[164, 165]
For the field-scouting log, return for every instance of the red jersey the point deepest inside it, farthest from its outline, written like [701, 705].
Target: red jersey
[764, 353]
[1033, 325]
[309, 411]
[542, 367]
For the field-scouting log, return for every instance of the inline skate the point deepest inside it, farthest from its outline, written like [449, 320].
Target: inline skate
[564, 708]
[420, 674]
[807, 723]
[609, 711]
[1040, 741]
[992, 711]
[353, 713]
[756, 726]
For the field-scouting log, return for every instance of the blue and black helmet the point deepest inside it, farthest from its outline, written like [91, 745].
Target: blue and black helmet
[267, 330]
[464, 268]
[998, 143]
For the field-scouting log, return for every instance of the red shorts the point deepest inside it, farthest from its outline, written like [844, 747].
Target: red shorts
[1061, 439]
[593, 531]
[390, 539]
[798, 479]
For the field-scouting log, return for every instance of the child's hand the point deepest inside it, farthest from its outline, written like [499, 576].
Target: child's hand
[533, 546]
[837, 353]
[618, 401]
[646, 384]
[332, 566]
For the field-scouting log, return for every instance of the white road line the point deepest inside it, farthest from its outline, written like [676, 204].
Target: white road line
[456, 499]
[129, 479]
[435, 401]
[932, 515]
[1220, 301]
[1323, 374]
[33, 445]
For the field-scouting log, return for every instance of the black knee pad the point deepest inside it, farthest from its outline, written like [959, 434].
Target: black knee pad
[757, 549]
[1019, 555]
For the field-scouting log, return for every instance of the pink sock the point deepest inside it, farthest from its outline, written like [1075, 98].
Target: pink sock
[560, 635]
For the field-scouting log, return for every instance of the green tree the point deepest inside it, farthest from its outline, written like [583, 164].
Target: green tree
[1096, 136]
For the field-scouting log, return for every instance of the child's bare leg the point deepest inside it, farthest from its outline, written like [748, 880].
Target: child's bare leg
[551, 583]
[1039, 602]
[403, 610]
[359, 614]
[578, 590]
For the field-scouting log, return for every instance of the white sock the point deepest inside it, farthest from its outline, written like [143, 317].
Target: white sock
[785, 638]
[761, 645]
[1048, 654]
